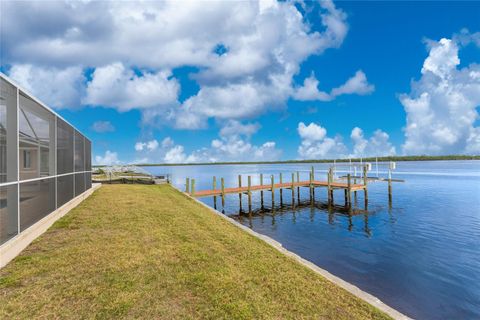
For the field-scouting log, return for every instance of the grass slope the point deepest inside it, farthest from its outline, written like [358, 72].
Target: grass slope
[132, 251]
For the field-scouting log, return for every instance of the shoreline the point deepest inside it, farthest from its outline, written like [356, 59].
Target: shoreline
[351, 288]
[368, 159]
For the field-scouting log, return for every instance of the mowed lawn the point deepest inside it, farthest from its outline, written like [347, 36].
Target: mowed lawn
[137, 251]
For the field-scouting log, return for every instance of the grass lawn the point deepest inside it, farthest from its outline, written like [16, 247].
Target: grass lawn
[136, 251]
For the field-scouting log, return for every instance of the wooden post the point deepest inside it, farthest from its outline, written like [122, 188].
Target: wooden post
[261, 192]
[365, 182]
[293, 189]
[215, 188]
[313, 179]
[298, 187]
[281, 190]
[222, 182]
[240, 193]
[329, 181]
[390, 187]
[311, 186]
[349, 183]
[187, 185]
[193, 188]
[273, 190]
[249, 194]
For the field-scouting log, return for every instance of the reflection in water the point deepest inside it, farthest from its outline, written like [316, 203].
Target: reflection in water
[315, 207]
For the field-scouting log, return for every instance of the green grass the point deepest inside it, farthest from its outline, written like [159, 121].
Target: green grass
[134, 251]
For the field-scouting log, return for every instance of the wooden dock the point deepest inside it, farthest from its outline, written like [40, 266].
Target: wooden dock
[293, 185]
[285, 185]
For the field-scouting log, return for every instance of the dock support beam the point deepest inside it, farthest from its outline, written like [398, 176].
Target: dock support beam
[349, 190]
[240, 194]
[311, 187]
[222, 182]
[272, 179]
[187, 185]
[249, 194]
[215, 188]
[293, 190]
[261, 192]
[298, 188]
[281, 190]
[365, 182]
[313, 179]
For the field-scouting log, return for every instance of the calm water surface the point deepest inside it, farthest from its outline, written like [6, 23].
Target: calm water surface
[420, 254]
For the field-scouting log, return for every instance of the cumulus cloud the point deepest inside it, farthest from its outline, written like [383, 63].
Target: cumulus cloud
[58, 88]
[316, 144]
[377, 145]
[117, 87]
[442, 105]
[151, 145]
[103, 126]
[263, 44]
[110, 158]
[233, 144]
[358, 84]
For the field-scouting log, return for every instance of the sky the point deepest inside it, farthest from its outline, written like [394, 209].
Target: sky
[203, 81]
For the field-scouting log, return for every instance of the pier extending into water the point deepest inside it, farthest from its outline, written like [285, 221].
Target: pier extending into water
[348, 183]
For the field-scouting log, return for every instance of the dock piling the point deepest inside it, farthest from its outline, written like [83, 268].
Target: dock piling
[365, 182]
[261, 192]
[249, 194]
[187, 185]
[272, 179]
[215, 188]
[281, 190]
[349, 190]
[222, 182]
[293, 189]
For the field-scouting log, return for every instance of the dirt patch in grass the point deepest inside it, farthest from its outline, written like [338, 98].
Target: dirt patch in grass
[134, 251]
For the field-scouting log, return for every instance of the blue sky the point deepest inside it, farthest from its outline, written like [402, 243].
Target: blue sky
[206, 81]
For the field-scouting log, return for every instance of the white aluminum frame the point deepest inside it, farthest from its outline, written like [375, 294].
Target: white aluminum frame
[55, 174]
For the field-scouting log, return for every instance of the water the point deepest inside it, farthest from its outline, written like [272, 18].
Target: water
[420, 255]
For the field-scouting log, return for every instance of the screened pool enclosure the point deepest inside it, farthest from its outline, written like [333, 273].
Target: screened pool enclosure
[44, 161]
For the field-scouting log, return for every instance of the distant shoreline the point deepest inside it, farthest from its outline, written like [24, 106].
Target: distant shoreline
[368, 159]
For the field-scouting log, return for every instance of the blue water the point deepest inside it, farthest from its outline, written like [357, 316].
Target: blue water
[419, 254]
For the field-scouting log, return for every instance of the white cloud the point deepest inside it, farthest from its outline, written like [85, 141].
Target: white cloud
[149, 146]
[117, 87]
[377, 145]
[110, 158]
[316, 144]
[358, 84]
[236, 128]
[265, 43]
[167, 142]
[312, 132]
[58, 88]
[103, 126]
[442, 105]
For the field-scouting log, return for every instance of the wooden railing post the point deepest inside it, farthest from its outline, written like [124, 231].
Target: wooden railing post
[222, 183]
[293, 189]
[272, 180]
[281, 189]
[365, 182]
[261, 192]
